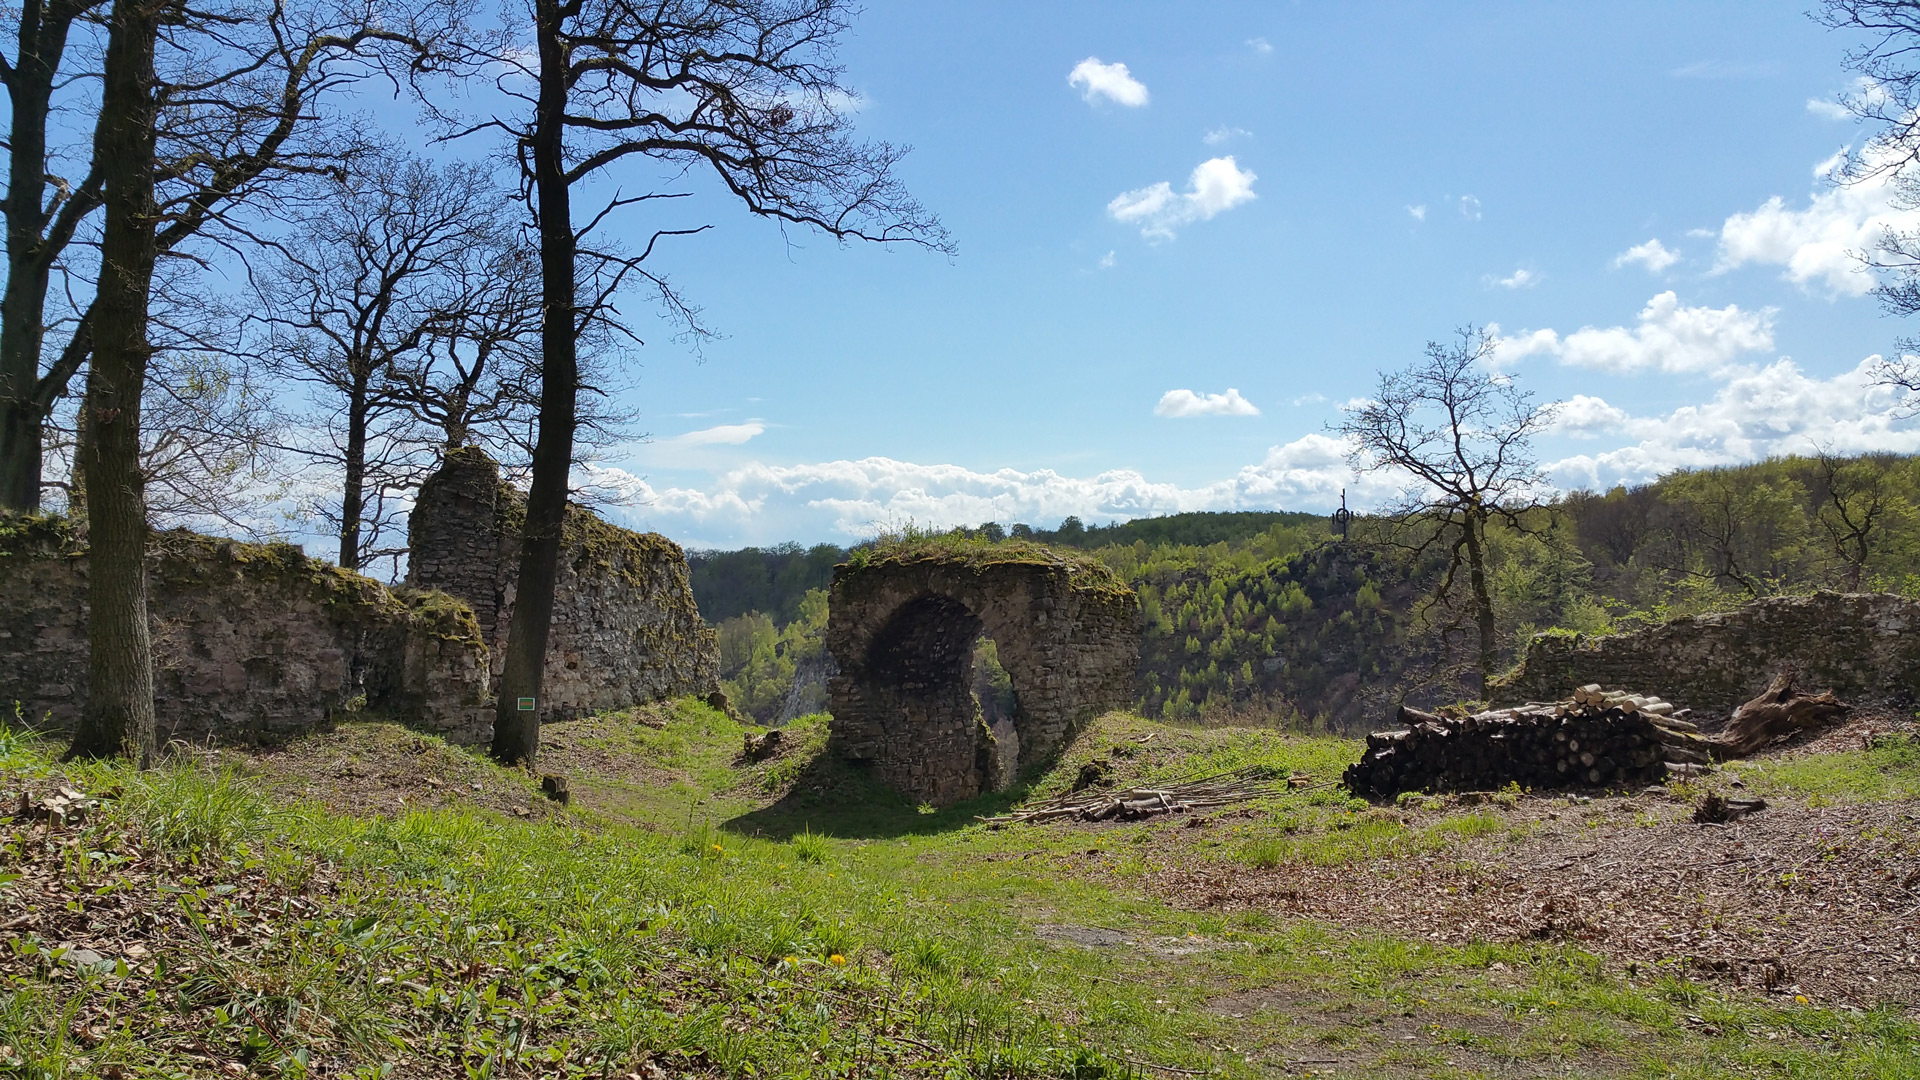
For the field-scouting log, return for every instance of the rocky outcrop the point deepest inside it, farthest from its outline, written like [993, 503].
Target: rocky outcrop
[901, 626]
[625, 628]
[253, 643]
[1863, 646]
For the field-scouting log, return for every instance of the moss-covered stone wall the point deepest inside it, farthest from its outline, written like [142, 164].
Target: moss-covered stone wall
[1863, 646]
[625, 627]
[253, 643]
[901, 627]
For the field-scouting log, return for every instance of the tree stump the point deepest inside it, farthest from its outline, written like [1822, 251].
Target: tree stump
[1780, 711]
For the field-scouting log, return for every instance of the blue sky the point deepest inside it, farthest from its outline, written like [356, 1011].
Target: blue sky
[1630, 192]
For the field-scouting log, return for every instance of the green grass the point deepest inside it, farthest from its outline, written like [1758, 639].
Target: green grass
[457, 944]
[1889, 771]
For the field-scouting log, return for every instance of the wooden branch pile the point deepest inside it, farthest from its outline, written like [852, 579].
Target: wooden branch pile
[1596, 738]
[1133, 804]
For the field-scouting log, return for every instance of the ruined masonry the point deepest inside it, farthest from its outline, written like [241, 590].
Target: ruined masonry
[1863, 646]
[625, 627]
[901, 630]
[252, 642]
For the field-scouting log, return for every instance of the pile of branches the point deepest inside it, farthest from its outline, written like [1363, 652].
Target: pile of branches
[1135, 803]
[1596, 738]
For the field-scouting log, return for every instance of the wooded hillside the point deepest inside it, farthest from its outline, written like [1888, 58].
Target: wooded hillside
[1268, 615]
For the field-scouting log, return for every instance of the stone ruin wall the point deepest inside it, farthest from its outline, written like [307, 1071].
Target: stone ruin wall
[252, 643]
[1864, 646]
[625, 627]
[902, 634]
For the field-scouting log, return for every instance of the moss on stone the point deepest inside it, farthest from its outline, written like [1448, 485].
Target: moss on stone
[36, 535]
[1085, 573]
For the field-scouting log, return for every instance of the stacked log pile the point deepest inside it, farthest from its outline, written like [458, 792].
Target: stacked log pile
[1598, 738]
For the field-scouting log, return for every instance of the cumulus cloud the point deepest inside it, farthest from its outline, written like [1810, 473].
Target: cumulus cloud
[1260, 45]
[1470, 207]
[1110, 81]
[1653, 255]
[1758, 413]
[1417, 213]
[1224, 134]
[1107, 261]
[1184, 403]
[759, 503]
[1584, 417]
[1217, 185]
[1519, 279]
[1817, 243]
[1669, 336]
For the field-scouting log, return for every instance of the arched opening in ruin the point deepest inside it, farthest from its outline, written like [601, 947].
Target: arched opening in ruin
[951, 688]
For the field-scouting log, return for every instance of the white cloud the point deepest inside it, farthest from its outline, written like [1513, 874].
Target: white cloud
[1184, 403]
[1314, 398]
[761, 503]
[1754, 413]
[720, 435]
[1828, 109]
[1107, 261]
[1519, 279]
[1225, 134]
[1584, 417]
[1817, 244]
[1417, 213]
[1217, 185]
[1260, 45]
[1669, 336]
[1757, 414]
[1654, 255]
[1470, 208]
[1110, 81]
[1863, 94]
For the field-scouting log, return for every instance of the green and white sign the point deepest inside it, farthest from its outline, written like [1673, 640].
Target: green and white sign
[526, 704]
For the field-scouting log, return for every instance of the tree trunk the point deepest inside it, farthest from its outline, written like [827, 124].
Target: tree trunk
[118, 718]
[353, 503]
[42, 42]
[1779, 712]
[516, 732]
[1482, 598]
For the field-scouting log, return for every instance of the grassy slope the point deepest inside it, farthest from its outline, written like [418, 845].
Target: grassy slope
[649, 930]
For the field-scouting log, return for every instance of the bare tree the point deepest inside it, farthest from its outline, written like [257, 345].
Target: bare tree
[1888, 101]
[237, 85]
[1462, 434]
[119, 714]
[389, 262]
[747, 92]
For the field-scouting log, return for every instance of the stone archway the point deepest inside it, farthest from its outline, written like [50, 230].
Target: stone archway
[902, 629]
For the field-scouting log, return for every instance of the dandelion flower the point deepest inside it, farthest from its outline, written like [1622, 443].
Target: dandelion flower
[837, 960]
[1801, 998]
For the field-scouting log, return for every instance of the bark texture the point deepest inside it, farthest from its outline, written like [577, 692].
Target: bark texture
[516, 732]
[119, 716]
[1779, 712]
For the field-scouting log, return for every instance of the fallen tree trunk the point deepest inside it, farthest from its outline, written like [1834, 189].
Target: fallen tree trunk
[1779, 712]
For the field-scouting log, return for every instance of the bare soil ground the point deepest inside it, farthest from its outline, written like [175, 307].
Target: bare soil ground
[1803, 898]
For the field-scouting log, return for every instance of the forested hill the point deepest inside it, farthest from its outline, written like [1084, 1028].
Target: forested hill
[772, 580]
[1268, 615]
